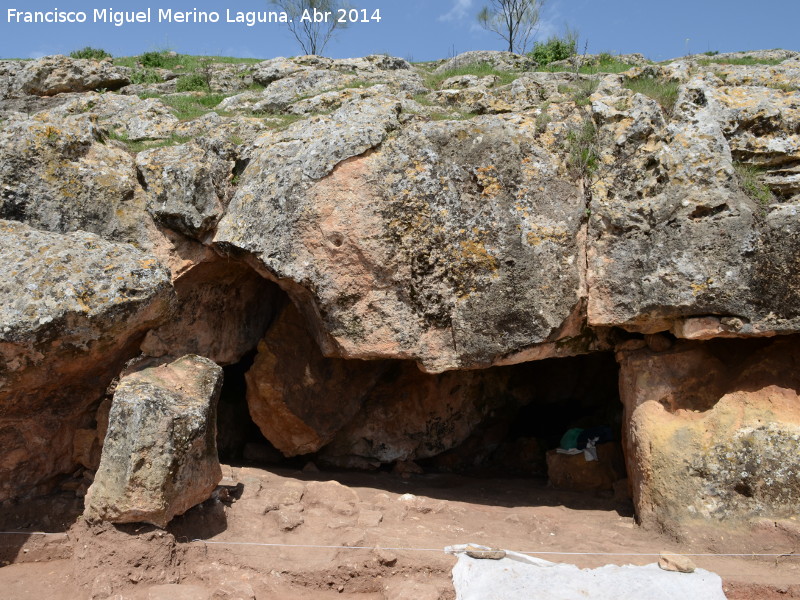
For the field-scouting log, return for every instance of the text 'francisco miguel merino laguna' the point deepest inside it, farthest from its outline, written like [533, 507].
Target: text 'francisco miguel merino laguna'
[168, 15]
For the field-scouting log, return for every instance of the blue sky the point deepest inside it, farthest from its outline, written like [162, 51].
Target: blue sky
[420, 29]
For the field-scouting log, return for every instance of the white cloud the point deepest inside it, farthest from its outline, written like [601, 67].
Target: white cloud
[458, 12]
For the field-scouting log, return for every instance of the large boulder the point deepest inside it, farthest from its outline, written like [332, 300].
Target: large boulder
[160, 453]
[188, 186]
[223, 310]
[128, 117]
[673, 236]
[58, 74]
[417, 249]
[57, 174]
[73, 309]
[297, 397]
[500, 60]
[713, 431]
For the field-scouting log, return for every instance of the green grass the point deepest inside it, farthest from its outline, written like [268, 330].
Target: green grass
[584, 89]
[192, 106]
[187, 62]
[434, 80]
[279, 122]
[664, 91]
[422, 99]
[194, 82]
[607, 64]
[752, 183]
[453, 116]
[747, 61]
[135, 147]
[90, 53]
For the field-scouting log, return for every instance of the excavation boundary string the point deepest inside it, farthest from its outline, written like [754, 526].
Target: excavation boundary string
[408, 549]
[533, 552]
[27, 533]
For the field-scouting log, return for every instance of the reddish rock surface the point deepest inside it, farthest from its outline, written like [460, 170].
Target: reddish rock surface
[224, 307]
[73, 309]
[297, 397]
[713, 431]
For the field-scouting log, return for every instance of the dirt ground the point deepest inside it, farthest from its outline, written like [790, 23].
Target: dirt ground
[356, 535]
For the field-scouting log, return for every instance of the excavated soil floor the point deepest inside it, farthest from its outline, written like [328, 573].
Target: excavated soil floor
[353, 535]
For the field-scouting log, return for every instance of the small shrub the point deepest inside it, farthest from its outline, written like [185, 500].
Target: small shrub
[583, 158]
[543, 118]
[751, 182]
[90, 53]
[711, 53]
[555, 48]
[145, 76]
[605, 63]
[194, 82]
[190, 107]
[664, 91]
[156, 60]
[585, 88]
[784, 87]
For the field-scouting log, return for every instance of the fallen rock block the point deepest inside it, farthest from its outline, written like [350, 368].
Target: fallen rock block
[160, 455]
[57, 74]
[676, 562]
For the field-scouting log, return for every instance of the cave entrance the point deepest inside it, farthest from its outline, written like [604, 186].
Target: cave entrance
[551, 403]
[505, 421]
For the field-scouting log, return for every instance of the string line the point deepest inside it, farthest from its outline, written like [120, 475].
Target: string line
[408, 549]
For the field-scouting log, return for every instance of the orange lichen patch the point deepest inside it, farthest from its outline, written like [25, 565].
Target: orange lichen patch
[698, 288]
[148, 263]
[463, 134]
[489, 181]
[544, 233]
[475, 254]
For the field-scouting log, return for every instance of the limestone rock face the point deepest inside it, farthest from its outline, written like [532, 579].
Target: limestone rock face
[502, 61]
[55, 174]
[713, 431]
[73, 308]
[187, 186]
[129, 117]
[289, 81]
[411, 415]
[223, 309]
[673, 237]
[415, 257]
[160, 455]
[57, 74]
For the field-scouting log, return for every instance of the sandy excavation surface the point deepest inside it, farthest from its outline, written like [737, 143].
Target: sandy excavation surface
[356, 535]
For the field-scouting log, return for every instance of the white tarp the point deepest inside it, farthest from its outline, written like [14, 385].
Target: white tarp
[521, 577]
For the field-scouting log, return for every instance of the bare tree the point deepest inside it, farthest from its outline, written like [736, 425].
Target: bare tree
[312, 34]
[513, 20]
